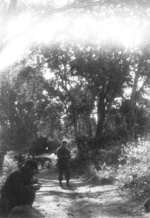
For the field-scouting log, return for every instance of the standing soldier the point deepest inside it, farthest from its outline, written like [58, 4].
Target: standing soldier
[63, 155]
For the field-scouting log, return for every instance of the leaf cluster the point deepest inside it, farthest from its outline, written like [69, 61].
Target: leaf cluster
[133, 171]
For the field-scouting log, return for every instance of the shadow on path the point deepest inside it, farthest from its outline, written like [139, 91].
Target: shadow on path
[82, 199]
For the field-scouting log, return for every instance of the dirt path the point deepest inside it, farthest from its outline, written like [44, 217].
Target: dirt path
[83, 200]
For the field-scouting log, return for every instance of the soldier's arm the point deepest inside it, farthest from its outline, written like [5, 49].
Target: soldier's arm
[59, 154]
[68, 156]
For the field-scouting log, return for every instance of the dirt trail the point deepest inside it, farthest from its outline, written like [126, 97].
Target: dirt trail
[83, 200]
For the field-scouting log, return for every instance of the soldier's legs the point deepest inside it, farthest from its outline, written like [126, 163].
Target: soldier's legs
[26, 197]
[60, 176]
[67, 175]
[8, 204]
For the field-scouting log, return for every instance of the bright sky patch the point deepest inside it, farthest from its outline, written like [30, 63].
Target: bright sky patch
[126, 31]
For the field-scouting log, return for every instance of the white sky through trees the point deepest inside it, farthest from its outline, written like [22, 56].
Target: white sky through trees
[22, 31]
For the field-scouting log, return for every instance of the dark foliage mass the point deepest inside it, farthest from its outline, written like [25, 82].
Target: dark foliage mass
[86, 102]
[41, 145]
[97, 94]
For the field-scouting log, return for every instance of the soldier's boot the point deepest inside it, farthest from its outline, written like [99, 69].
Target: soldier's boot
[60, 183]
[67, 183]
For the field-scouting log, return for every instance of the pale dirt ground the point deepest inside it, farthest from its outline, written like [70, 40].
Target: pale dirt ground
[83, 200]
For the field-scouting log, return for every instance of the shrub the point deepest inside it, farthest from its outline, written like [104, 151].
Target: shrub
[8, 166]
[105, 176]
[134, 170]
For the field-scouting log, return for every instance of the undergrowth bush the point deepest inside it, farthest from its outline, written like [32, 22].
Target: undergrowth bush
[8, 166]
[100, 163]
[134, 167]
[105, 149]
[105, 175]
[108, 156]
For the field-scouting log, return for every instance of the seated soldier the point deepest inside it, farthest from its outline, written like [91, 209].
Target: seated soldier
[19, 188]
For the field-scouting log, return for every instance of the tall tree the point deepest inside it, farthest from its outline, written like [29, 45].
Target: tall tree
[106, 71]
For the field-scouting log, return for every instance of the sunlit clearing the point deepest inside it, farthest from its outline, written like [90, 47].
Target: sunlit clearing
[35, 2]
[127, 92]
[56, 3]
[45, 92]
[48, 74]
[19, 26]
[94, 115]
[85, 28]
[12, 52]
[125, 31]
[111, 30]
[61, 3]
[49, 31]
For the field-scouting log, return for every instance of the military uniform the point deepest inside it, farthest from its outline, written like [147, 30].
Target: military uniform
[17, 189]
[63, 155]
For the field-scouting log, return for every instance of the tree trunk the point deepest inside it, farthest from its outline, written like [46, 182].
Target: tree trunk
[75, 123]
[2, 155]
[101, 114]
[133, 101]
[88, 124]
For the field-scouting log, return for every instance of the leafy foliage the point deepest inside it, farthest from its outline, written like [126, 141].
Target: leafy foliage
[86, 97]
[133, 171]
[9, 165]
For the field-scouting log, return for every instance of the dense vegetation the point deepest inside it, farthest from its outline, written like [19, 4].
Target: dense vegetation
[96, 93]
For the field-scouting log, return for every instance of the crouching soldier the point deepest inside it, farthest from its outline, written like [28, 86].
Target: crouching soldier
[20, 187]
[63, 155]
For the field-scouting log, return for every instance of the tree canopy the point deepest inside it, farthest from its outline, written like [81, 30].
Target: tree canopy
[79, 69]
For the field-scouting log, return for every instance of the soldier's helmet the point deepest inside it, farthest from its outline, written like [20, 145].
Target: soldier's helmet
[33, 164]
